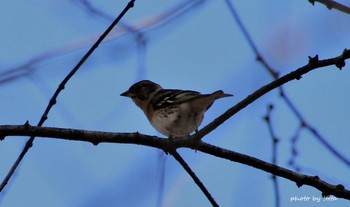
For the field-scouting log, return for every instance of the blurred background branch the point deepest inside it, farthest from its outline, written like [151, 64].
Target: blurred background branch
[137, 29]
[61, 87]
[274, 158]
[339, 62]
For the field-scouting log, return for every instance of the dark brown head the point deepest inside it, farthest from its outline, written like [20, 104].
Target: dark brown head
[141, 92]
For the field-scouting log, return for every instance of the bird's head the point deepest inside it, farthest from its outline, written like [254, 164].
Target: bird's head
[142, 92]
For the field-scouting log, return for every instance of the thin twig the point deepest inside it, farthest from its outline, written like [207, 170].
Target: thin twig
[194, 177]
[87, 5]
[96, 137]
[249, 39]
[314, 132]
[275, 141]
[282, 92]
[146, 25]
[61, 86]
[161, 170]
[138, 34]
[294, 150]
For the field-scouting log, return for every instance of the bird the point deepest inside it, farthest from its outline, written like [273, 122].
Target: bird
[172, 112]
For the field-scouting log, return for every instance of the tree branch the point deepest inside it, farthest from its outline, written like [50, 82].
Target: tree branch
[195, 140]
[299, 178]
[97, 137]
[283, 95]
[150, 23]
[313, 64]
[194, 177]
[275, 141]
[60, 88]
[332, 5]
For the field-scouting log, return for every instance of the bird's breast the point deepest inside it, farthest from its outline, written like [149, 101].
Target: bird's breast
[176, 121]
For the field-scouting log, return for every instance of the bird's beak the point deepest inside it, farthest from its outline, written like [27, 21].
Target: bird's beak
[126, 94]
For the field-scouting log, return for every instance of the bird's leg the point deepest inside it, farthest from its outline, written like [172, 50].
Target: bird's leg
[169, 146]
[196, 144]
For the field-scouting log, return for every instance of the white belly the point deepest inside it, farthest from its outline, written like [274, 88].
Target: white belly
[177, 121]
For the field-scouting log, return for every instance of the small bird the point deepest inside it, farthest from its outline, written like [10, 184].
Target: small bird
[172, 112]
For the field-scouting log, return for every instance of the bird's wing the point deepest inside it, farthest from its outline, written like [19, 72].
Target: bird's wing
[172, 97]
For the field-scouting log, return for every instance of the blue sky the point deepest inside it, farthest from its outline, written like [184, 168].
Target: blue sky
[203, 50]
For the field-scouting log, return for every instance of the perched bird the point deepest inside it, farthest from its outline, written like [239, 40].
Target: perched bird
[173, 113]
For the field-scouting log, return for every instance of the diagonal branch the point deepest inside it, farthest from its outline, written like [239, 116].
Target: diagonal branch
[53, 99]
[313, 64]
[97, 137]
[330, 4]
[283, 95]
[194, 177]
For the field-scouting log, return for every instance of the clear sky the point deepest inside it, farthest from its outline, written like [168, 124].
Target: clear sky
[193, 45]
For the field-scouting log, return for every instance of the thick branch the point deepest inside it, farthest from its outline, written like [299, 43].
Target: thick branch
[194, 141]
[299, 178]
[96, 137]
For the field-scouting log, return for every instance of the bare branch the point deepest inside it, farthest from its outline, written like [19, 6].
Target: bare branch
[250, 41]
[170, 145]
[194, 142]
[140, 27]
[53, 99]
[194, 177]
[332, 5]
[161, 175]
[275, 141]
[313, 64]
[274, 74]
[299, 178]
[294, 151]
[87, 5]
[155, 21]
